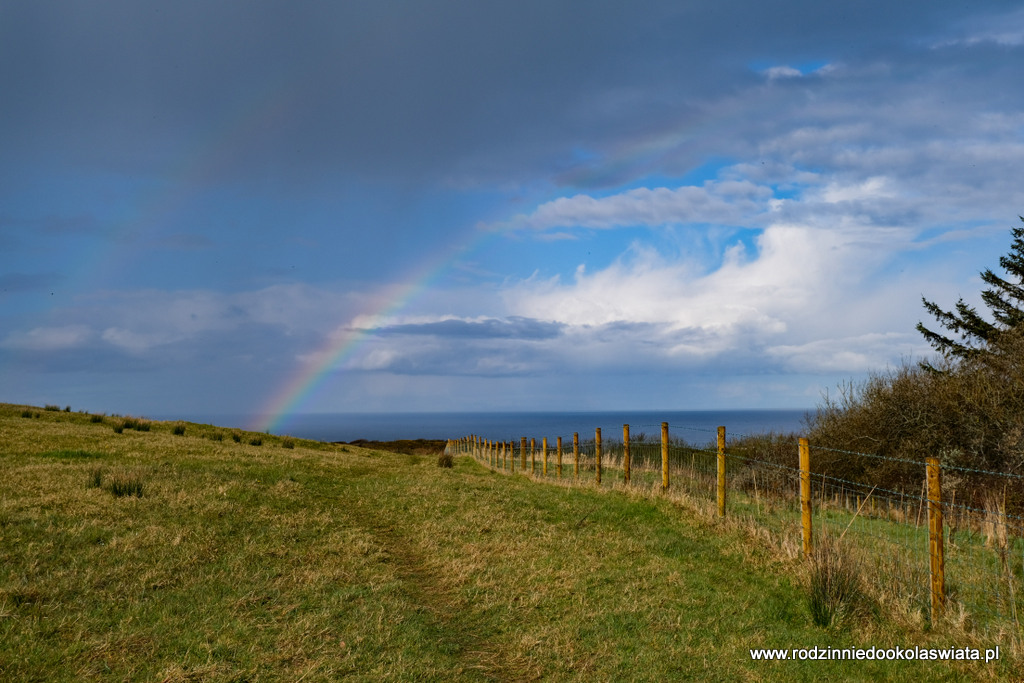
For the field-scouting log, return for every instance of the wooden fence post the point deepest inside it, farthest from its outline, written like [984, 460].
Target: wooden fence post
[935, 544]
[522, 456]
[597, 454]
[721, 471]
[559, 457]
[544, 455]
[533, 455]
[664, 456]
[805, 494]
[625, 454]
[576, 455]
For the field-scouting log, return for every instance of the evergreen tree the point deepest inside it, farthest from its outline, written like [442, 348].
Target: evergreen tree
[971, 335]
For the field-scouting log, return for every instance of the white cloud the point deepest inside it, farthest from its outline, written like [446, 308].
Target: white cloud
[782, 72]
[726, 202]
[134, 342]
[854, 354]
[801, 285]
[49, 338]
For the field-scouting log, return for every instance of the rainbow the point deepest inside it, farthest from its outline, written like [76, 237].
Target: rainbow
[227, 141]
[298, 390]
[301, 388]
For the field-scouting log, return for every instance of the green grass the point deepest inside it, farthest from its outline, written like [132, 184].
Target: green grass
[322, 562]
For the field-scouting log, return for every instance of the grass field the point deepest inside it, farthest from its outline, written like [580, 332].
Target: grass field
[180, 552]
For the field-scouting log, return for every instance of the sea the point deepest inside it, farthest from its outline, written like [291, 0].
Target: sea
[690, 425]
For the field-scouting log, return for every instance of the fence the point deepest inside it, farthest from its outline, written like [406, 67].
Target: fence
[936, 539]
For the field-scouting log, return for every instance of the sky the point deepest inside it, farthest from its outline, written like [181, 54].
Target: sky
[274, 208]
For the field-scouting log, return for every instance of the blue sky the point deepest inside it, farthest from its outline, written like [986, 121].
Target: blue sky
[257, 207]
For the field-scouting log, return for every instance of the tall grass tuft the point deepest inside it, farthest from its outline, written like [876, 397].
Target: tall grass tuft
[95, 418]
[236, 437]
[123, 486]
[26, 413]
[95, 478]
[836, 588]
[136, 424]
[178, 430]
[72, 453]
[445, 460]
[256, 441]
[51, 407]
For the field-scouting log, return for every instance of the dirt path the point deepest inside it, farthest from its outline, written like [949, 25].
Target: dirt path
[452, 628]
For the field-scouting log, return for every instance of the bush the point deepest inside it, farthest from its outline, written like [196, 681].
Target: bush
[445, 460]
[216, 436]
[969, 414]
[119, 428]
[95, 418]
[287, 442]
[256, 441]
[26, 413]
[236, 437]
[178, 429]
[51, 407]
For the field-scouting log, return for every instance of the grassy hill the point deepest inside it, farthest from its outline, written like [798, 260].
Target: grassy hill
[179, 552]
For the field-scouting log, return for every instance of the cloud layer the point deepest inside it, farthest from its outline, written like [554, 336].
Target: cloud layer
[202, 202]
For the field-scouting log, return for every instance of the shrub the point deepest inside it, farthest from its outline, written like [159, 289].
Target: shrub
[256, 441]
[236, 437]
[119, 428]
[51, 407]
[287, 442]
[216, 436]
[143, 426]
[67, 409]
[969, 414]
[26, 413]
[95, 418]
[178, 429]
[445, 460]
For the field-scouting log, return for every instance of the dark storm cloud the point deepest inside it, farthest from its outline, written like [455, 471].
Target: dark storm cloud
[291, 90]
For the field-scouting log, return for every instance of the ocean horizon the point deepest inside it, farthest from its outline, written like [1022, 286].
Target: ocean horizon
[692, 425]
